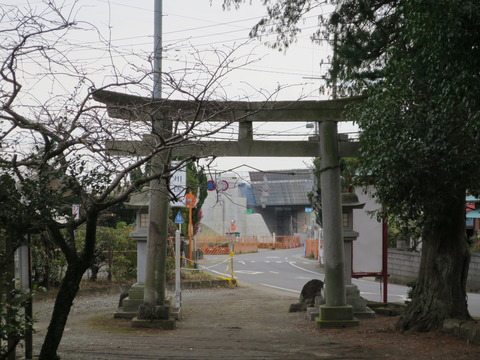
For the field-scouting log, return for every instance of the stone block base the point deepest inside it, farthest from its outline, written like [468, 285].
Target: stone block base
[365, 314]
[158, 312]
[125, 314]
[176, 313]
[164, 324]
[333, 317]
[312, 313]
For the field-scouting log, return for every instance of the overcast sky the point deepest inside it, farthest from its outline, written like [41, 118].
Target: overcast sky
[201, 27]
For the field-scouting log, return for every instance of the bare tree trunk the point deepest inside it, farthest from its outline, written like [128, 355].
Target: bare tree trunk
[77, 266]
[440, 292]
[63, 303]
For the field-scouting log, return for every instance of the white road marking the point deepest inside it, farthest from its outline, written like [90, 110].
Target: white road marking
[248, 272]
[281, 288]
[274, 272]
[298, 267]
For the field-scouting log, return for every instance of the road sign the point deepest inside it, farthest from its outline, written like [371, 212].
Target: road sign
[179, 218]
[210, 185]
[190, 200]
[221, 185]
[178, 185]
[76, 211]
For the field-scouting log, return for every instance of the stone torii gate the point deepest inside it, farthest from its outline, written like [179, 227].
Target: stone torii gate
[328, 146]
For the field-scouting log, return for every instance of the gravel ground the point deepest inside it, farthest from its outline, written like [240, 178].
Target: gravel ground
[237, 323]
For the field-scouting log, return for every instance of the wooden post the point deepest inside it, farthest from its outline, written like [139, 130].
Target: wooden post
[190, 201]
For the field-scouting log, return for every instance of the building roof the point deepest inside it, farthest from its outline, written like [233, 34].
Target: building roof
[472, 199]
[474, 214]
[282, 188]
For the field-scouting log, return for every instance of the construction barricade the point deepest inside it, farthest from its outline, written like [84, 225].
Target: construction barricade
[311, 248]
[282, 242]
[224, 244]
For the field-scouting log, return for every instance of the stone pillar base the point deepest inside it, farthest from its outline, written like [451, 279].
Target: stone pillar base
[359, 304]
[164, 324]
[334, 317]
[157, 317]
[130, 304]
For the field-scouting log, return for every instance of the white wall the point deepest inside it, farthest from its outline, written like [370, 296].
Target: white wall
[221, 207]
[367, 249]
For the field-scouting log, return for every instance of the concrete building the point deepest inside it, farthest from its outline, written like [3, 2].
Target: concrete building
[267, 203]
[227, 209]
[281, 197]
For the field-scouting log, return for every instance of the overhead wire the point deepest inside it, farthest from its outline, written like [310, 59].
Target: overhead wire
[90, 45]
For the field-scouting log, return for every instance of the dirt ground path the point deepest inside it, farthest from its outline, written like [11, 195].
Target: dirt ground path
[239, 323]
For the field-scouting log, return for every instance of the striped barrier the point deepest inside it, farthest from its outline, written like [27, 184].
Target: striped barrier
[215, 250]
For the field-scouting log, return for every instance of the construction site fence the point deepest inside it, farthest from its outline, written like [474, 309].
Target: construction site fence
[311, 248]
[225, 244]
[314, 249]
[282, 242]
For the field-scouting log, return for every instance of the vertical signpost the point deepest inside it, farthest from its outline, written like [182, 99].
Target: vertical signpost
[190, 201]
[178, 292]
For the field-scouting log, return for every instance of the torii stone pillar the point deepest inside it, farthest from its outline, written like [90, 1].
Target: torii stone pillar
[335, 313]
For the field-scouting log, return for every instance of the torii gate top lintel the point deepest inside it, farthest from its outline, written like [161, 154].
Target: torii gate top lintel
[124, 105]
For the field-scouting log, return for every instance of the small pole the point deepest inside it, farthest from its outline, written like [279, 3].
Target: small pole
[29, 306]
[190, 201]
[190, 235]
[178, 291]
[10, 286]
[231, 265]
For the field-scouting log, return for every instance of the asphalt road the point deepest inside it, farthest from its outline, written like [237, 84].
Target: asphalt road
[286, 271]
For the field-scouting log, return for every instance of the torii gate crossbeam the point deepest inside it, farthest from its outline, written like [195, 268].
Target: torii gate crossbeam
[137, 108]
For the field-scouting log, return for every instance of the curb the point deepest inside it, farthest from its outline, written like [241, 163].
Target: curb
[467, 330]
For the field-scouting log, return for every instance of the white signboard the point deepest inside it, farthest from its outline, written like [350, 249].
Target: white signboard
[178, 185]
[76, 211]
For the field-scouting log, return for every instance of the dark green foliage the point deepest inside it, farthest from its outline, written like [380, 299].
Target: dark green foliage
[418, 64]
[282, 19]
[116, 214]
[13, 322]
[115, 252]
[411, 285]
[419, 128]
[48, 263]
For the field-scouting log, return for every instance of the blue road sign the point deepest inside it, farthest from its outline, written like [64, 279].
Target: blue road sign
[179, 218]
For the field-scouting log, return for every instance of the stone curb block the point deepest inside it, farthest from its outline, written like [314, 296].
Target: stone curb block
[467, 330]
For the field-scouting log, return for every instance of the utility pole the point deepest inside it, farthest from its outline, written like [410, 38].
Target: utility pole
[155, 306]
